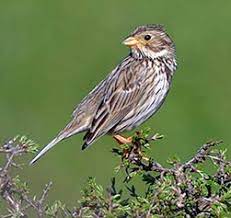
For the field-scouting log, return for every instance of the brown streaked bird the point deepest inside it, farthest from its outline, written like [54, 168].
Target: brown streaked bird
[130, 94]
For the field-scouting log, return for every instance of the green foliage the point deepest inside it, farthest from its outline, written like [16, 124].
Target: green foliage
[55, 209]
[182, 190]
[179, 191]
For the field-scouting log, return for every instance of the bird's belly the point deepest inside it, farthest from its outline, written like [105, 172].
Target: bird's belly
[145, 108]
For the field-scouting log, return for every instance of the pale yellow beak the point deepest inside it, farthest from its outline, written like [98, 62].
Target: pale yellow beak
[130, 41]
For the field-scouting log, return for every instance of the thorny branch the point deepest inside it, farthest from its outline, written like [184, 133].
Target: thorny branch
[15, 194]
[135, 161]
[182, 190]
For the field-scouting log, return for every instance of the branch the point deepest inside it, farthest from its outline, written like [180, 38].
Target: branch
[181, 190]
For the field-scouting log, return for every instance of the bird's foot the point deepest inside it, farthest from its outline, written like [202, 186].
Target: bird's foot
[122, 140]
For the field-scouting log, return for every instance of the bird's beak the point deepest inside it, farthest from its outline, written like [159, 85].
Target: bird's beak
[130, 41]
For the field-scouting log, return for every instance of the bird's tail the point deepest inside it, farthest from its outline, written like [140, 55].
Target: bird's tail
[47, 148]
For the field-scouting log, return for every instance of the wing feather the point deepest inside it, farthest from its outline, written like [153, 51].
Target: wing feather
[121, 95]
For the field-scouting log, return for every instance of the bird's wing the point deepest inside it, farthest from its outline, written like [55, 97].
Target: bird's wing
[123, 91]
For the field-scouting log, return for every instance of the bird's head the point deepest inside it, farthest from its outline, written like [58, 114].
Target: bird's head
[150, 41]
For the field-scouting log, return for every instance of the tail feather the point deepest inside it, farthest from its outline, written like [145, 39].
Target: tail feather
[74, 127]
[46, 149]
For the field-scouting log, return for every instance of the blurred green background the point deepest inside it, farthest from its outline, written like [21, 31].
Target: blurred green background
[52, 53]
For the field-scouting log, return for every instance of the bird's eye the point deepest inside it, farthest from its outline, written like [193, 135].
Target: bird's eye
[147, 37]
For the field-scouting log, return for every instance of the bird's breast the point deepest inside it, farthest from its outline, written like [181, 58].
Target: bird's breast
[155, 85]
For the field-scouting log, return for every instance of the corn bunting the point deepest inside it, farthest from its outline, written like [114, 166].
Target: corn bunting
[130, 94]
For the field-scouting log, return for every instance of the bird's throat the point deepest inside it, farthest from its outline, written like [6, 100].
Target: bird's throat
[141, 53]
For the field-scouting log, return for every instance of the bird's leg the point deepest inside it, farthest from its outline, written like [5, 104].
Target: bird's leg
[122, 140]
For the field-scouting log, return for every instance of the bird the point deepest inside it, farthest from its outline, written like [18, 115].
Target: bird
[133, 91]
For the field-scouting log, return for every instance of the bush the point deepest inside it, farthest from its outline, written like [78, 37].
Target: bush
[181, 190]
